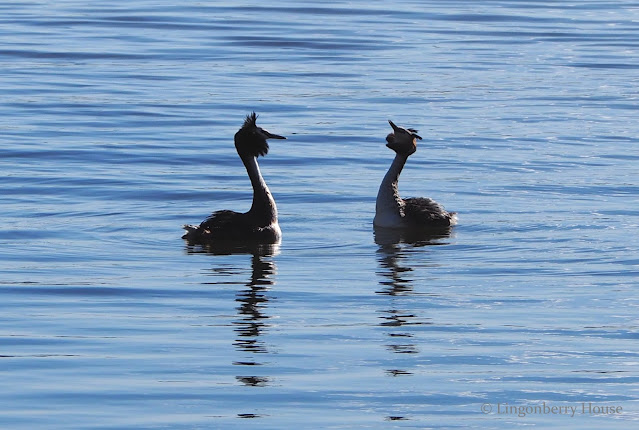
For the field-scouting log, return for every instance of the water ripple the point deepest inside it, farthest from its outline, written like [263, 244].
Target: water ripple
[117, 128]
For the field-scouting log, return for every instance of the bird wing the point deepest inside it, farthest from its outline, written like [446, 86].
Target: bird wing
[223, 222]
[421, 210]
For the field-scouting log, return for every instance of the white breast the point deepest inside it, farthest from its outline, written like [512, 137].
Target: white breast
[388, 218]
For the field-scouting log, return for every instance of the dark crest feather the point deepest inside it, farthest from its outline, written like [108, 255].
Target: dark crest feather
[250, 121]
[248, 140]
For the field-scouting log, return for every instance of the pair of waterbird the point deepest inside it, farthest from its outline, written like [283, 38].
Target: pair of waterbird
[260, 225]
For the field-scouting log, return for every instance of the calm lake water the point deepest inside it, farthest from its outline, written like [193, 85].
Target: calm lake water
[117, 120]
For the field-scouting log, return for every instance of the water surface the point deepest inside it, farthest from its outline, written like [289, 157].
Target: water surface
[117, 122]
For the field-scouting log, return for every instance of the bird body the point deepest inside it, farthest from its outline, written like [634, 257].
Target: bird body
[392, 211]
[259, 224]
[231, 226]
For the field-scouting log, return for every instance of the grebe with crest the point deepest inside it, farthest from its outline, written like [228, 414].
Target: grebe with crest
[418, 213]
[259, 224]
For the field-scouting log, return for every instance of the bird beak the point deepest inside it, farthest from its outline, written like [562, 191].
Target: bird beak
[410, 130]
[270, 135]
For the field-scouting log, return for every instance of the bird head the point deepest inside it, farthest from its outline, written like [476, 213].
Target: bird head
[251, 139]
[402, 140]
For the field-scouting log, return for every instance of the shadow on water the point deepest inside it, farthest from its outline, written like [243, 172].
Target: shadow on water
[251, 322]
[397, 283]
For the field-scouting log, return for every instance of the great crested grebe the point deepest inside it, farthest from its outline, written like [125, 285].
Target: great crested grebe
[392, 211]
[259, 224]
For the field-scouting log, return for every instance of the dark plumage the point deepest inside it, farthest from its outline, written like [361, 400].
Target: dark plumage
[259, 224]
[226, 225]
[391, 210]
[251, 139]
[420, 211]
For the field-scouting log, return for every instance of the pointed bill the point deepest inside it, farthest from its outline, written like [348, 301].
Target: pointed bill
[270, 135]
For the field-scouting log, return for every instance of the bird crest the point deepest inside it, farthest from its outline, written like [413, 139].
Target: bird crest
[251, 139]
[250, 121]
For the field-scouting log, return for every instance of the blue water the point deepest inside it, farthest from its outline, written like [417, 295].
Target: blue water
[116, 125]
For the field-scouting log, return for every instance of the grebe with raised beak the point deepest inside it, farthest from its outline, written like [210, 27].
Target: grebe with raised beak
[259, 224]
[392, 211]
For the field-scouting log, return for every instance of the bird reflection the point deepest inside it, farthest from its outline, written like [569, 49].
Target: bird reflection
[252, 304]
[415, 237]
[397, 282]
[251, 322]
[392, 243]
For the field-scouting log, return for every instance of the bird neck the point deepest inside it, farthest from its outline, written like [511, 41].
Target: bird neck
[263, 207]
[388, 196]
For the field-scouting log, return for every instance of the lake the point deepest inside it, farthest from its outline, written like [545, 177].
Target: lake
[117, 124]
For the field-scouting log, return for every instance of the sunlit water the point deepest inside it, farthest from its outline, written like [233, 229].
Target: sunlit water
[116, 127]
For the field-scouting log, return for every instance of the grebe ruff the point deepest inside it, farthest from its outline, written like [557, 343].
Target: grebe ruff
[392, 211]
[259, 224]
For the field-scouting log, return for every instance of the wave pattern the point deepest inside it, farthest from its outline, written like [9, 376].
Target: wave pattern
[116, 128]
